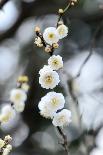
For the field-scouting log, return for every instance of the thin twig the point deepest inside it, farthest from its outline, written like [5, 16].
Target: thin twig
[61, 14]
[65, 143]
[83, 64]
[92, 46]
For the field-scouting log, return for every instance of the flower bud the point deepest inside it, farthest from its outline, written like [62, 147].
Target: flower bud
[60, 23]
[23, 79]
[8, 138]
[47, 49]
[61, 11]
[37, 29]
[55, 45]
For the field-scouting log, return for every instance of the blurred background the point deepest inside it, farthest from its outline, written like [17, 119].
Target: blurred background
[31, 133]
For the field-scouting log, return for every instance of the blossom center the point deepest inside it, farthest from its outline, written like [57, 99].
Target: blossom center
[61, 119]
[54, 102]
[17, 96]
[61, 31]
[51, 35]
[55, 62]
[48, 79]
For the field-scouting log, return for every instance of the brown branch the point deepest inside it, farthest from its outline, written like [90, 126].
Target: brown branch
[65, 143]
[41, 37]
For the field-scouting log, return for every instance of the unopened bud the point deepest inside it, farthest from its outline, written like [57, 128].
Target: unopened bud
[60, 23]
[47, 49]
[55, 45]
[61, 11]
[23, 78]
[37, 29]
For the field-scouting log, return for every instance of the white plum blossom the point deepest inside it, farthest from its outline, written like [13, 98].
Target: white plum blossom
[44, 108]
[55, 62]
[49, 79]
[56, 101]
[7, 150]
[62, 118]
[62, 31]
[45, 68]
[8, 138]
[50, 103]
[2, 143]
[9, 147]
[51, 35]
[38, 42]
[18, 95]
[19, 107]
[7, 113]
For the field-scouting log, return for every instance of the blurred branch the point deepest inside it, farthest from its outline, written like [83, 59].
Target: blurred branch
[92, 46]
[96, 33]
[2, 3]
[85, 61]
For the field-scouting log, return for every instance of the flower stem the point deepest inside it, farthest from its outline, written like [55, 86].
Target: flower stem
[64, 10]
[67, 7]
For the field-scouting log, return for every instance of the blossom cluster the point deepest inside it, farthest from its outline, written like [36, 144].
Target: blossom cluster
[51, 36]
[17, 99]
[52, 104]
[49, 78]
[5, 146]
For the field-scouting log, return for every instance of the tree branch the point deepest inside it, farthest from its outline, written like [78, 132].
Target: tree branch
[65, 143]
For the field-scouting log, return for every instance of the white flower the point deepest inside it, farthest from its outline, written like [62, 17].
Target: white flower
[7, 113]
[2, 143]
[56, 101]
[62, 118]
[6, 151]
[19, 107]
[25, 87]
[55, 62]
[50, 35]
[45, 69]
[44, 108]
[62, 31]
[9, 147]
[49, 79]
[50, 103]
[8, 138]
[38, 42]
[18, 95]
